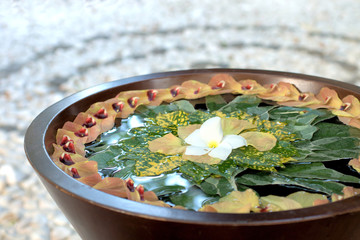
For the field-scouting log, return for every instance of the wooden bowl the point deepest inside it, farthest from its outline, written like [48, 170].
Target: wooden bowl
[97, 215]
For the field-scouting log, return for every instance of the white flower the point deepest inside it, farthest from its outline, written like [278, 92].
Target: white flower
[209, 139]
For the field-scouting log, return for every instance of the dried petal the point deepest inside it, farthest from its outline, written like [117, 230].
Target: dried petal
[224, 83]
[260, 140]
[235, 202]
[114, 186]
[251, 87]
[281, 92]
[276, 203]
[195, 89]
[168, 144]
[235, 126]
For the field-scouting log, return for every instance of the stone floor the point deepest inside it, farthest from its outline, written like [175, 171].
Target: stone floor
[51, 49]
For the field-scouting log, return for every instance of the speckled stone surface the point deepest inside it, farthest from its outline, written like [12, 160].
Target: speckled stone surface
[51, 49]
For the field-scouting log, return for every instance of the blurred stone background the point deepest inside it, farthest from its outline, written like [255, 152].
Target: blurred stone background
[51, 49]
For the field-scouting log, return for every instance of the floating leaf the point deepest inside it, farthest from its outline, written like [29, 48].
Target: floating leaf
[316, 171]
[214, 102]
[168, 144]
[202, 159]
[263, 179]
[235, 202]
[216, 186]
[193, 198]
[154, 164]
[241, 103]
[275, 203]
[235, 126]
[307, 199]
[184, 106]
[185, 131]
[253, 159]
[261, 141]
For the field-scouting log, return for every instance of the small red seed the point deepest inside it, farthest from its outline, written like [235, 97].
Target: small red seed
[141, 191]
[118, 107]
[175, 91]
[89, 122]
[69, 147]
[265, 209]
[197, 90]
[220, 84]
[83, 132]
[345, 106]
[65, 158]
[151, 94]
[327, 99]
[65, 139]
[130, 185]
[247, 87]
[133, 101]
[303, 97]
[101, 114]
[75, 173]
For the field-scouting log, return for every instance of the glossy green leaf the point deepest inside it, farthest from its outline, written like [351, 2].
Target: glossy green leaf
[241, 103]
[193, 198]
[263, 179]
[216, 186]
[214, 102]
[316, 171]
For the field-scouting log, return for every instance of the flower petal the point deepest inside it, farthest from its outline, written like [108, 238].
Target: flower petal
[195, 139]
[222, 151]
[211, 130]
[235, 141]
[197, 151]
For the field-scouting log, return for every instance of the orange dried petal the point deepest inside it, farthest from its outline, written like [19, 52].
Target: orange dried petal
[113, 186]
[224, 83]
[249, 86]
[168, 144]
[281, 92]
[90, 180]
[194, 89]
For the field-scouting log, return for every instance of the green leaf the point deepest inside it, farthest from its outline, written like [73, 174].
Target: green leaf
[263, 179]
[241, 103]
[303, 131]
[127, 170]
[216, 186]
[261, 112]
[300, 115]
[327, 130]
[214, 102]
[199, 117]
[168, 190]
[184, 105]
[191, 199]
[103, 159]
[194, 172]
[316, 171]
[165, 184]
[251, 158]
